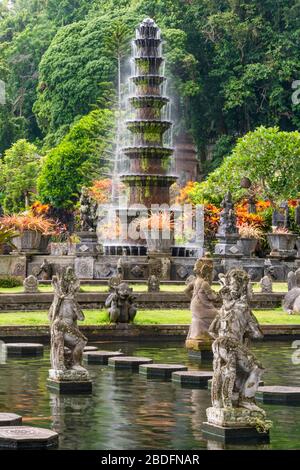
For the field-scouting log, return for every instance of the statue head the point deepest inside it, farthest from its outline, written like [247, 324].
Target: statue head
[123, 290]
[235, 284]
[204, 268]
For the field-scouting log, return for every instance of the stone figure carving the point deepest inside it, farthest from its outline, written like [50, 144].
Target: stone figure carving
[31, 285]
[45, 270]
[291, 301]
[67, 342]
[237, 372]
[204, 302]
[190, 279]
[227, 217]
[153, 284]
[88, 212]
[120, 304]
[266, 284]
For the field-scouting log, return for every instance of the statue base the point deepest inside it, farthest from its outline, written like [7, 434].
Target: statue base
[199, 349]
[235, 424]
[69, 381]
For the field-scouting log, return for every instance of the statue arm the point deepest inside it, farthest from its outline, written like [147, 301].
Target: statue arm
[254, 331]
[210, 294]
[214, 327]
[110, 299]
[189, 289]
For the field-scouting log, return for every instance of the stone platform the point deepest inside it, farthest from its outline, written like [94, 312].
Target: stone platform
[100, 357]
[161, 371]
[229, 435]
[27, 437]
[205, 355]
[24, 349]
[279, 394]
[128, 362]
[10, 419]
[261, 384]
[69, 381]
[192, 378]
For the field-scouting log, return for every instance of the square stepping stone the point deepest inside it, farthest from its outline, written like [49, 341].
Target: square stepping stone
[192, 378]
[100, 357]
[68, 387]
[24, 349]
[279, 394]
[162, 371]
[128, 362]
[10, 419]
[27, 437]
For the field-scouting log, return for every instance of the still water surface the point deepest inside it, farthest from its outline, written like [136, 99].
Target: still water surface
[127, 411]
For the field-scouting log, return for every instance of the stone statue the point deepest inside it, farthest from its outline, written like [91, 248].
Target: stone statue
[291, 280]
[31, 285]
[204, 302]
[88, 212]
[190, 279]
[266, 284]
[153, 284]
[67, 342]
[120, 304]
[237, 372]
[227, 217]
[45, 271]
[291, 301]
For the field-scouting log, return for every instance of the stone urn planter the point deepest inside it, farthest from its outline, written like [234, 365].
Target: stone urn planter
[28, 241]
[282, 244]
[43, 247]
[247, 246]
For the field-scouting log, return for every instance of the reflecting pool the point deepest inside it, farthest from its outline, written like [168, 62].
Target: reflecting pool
[127, 411]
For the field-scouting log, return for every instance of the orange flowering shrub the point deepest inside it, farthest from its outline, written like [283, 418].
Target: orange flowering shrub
[184, 193]
[244, 218]
[101, 190]
[211, 220]
[39, 209]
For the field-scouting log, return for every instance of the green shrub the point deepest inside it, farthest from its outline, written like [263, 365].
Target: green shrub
[8, 282]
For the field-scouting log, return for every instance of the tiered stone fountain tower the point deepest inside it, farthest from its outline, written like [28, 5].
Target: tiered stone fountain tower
[149, 176]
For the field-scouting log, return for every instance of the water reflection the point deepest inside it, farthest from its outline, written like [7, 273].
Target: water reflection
[127, 411]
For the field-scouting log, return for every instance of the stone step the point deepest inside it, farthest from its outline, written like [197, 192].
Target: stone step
[192, 378]
[128, 362]
[162, 371]
[100, 357]
[27, 437]
[90, 348]
[10, 419]
[24, 349]
[279, 394]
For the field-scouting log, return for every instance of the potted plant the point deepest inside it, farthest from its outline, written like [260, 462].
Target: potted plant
[30, 229]
[282, 242]
[249, 236]
[158, 230]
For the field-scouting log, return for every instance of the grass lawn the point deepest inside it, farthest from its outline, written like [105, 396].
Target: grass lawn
[144, 317]
[277, 287]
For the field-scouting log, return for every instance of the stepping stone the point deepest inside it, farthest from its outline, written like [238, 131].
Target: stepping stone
[24, 349]
[10, 419]
[192, 378]
[100, 357]
[27, 437]
[162, 371]
[128, 362]
[279, 394]
[90, 348]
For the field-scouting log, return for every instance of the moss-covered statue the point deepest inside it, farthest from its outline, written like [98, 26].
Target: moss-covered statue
[67, 342]
[120, 304]
[237, 372]
[204, 303]
[88, 211]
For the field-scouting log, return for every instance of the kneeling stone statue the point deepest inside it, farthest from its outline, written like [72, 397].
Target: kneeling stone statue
[67, 342]
[121, 304]
[236, 371]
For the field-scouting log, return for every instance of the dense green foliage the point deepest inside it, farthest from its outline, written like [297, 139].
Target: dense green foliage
[18, 173]
[76, 161]
[231, 65]
[269, 157]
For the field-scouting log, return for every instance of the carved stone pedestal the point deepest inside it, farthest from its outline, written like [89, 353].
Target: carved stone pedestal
[69, 381]
[235, 424]
[200, 348]
[88, 245]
